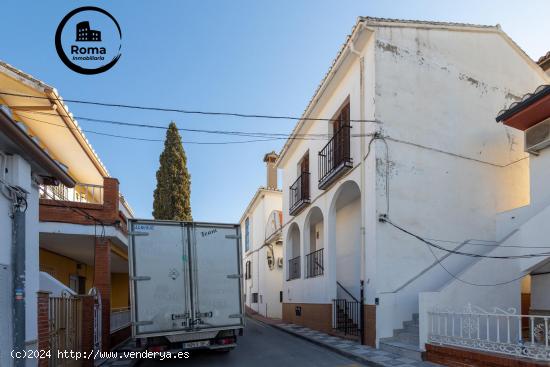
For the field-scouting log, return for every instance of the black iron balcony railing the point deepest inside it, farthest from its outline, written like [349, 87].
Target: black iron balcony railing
[314, 264]
[294, 268]
[299, 193]
[335, 157]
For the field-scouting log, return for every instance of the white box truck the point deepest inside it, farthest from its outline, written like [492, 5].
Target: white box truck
[185, 285]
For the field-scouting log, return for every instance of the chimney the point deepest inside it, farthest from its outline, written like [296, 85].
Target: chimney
[269, 160]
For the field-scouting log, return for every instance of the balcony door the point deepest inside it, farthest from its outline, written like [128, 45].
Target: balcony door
[304, 173]
[340, 132]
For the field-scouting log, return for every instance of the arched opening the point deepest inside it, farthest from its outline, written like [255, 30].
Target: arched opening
[346, 222]
[314, 243]
[293, 252]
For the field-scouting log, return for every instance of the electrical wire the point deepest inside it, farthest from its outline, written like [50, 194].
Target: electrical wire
[163, 127]
[79, 212]
[148, 139]
[440, 263]
[178, 110]
[431, 244]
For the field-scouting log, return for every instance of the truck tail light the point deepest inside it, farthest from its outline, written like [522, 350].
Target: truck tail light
[157, 348]
[226, 341]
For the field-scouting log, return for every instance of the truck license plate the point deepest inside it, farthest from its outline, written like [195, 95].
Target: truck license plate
[199, 344]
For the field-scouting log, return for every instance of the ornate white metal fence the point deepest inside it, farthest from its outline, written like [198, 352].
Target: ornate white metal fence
[499, 331]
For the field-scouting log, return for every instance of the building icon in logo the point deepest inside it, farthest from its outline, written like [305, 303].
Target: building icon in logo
[84, 33]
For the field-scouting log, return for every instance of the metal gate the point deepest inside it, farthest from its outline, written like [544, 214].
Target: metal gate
[65, 324]
[97, 318]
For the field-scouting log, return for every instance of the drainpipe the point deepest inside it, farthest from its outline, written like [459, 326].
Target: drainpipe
[18, 259]
[362, 187]
[18, 196]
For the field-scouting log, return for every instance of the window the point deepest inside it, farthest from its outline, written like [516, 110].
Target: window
[248, 270]
[77, 284]
[247, 234]
[281, 296]
[254, 297]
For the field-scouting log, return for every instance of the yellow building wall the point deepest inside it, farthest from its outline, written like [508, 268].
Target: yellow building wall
[61, 268]
[119, 290]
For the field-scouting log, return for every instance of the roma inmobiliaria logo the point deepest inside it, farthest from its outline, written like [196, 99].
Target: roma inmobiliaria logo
[88, 40]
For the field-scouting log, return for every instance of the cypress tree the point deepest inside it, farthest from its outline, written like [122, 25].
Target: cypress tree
[172, 197]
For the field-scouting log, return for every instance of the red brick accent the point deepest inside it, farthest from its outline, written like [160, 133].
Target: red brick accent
[102, 281]
[71, 212]
[43, 317]
[314, 316]
[369, 325]
[460, 357]
[87, 335]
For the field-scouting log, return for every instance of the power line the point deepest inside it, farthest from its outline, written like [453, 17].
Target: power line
[179, 110]
[440, 263]
[468, 282]
[486, 244]
[152, 126]
[148, 139]
[385, 219]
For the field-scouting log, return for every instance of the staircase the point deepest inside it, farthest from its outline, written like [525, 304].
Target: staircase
[404, 341]
[345, 325]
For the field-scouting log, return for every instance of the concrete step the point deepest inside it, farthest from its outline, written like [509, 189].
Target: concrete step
[403, 349]
[408, 329]
[407, 338]
[410, 323]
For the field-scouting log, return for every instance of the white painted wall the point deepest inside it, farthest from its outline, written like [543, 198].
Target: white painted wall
[264, 281]
[435, 93]
[454, 84]
[22, 178]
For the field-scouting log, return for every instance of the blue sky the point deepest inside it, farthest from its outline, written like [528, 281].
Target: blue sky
[245, 56]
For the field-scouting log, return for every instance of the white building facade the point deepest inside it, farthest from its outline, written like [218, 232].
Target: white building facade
[411, 139]
[23, 166]
[262, 247]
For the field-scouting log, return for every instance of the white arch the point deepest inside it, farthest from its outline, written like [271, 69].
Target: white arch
[344, 221]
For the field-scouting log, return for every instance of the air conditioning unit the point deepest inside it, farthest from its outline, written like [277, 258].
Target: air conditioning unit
[537, 137]
[280, 262]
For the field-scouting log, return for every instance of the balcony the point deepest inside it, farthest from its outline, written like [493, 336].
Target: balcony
[85, 204]
[294, 268]
[335, 158]
[314, 264]
[81, 193]
[299, 194]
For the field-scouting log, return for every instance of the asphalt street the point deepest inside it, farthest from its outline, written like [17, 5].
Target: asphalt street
[263, 346]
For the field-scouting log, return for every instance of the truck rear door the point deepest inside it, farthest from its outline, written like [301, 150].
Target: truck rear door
[159, 272]
[216, 275]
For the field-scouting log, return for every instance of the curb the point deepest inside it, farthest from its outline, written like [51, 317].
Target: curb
[343, 353]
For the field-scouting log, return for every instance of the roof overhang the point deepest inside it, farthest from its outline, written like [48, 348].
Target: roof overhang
[42, 109]
[23, 145]
[531, 110]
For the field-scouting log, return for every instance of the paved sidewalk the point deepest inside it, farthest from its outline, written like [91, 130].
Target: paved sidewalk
[351, 349]
[127, 346]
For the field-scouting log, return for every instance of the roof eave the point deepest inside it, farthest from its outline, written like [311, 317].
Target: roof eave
[33, 151]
